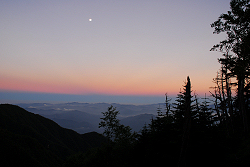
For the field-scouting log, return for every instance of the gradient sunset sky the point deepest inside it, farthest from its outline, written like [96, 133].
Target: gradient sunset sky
[130, 48]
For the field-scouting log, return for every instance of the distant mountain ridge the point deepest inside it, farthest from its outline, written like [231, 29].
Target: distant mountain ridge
[137, 122]
[85, 117]
[28, 139]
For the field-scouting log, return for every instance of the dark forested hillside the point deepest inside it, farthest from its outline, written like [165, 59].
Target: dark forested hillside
[28, 139]
[187, 134]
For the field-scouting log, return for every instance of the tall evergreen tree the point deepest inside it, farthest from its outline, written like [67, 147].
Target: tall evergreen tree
[183, 104]
[187, 121]
[236, 23]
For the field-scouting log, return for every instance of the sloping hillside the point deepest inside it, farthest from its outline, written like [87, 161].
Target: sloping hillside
[28, 139]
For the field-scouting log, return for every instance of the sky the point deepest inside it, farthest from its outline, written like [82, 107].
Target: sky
[132, 48]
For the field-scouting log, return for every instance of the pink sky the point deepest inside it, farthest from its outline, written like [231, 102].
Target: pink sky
[129, 47]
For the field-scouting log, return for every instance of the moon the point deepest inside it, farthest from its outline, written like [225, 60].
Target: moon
[90, 19]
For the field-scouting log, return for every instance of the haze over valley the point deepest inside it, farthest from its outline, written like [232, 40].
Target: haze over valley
[85, 117]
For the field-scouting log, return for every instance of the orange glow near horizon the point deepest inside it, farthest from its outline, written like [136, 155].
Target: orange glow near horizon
[143, 53]
[104, 87]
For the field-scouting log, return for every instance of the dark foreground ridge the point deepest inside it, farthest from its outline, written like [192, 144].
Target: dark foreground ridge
[28, 139]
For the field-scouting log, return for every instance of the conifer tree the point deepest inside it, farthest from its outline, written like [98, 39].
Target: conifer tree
[184, 104]
[167, 105]
[179, 108]
[236, 23]
[187, 121]
[204, 115]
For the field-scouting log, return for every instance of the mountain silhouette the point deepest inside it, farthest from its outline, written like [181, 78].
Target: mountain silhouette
[28, 139]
